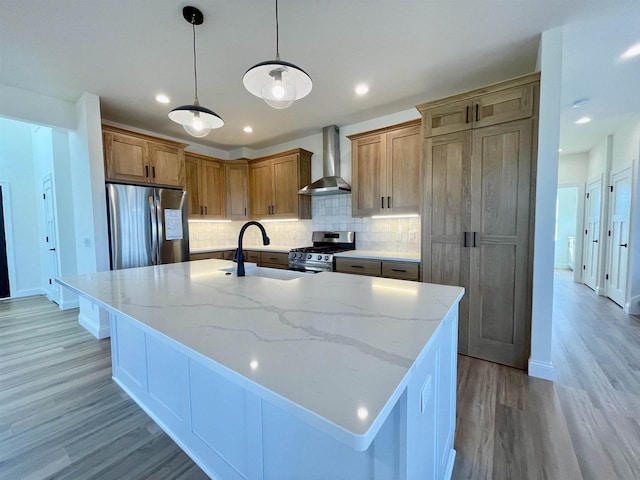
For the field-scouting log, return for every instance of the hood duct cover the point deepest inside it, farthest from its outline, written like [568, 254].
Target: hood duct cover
[330, 183]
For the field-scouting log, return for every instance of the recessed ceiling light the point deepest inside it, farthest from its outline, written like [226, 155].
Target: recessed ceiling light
[247, 129]
[559, 150]
[362, 89]
[631, 52]
[162, 98]
[583, 120]
[580, 103]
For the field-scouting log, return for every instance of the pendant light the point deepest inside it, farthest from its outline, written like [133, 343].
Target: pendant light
[197, 120]
[278, 83]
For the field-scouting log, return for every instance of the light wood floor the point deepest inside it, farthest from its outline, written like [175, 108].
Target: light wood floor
[61, 416]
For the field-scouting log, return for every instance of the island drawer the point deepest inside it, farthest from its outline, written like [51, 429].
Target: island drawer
[401, 270]
[358, 266]
[252, 256]
[274, 260]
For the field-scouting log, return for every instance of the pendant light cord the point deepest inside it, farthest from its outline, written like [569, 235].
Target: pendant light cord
[277, 34]
[195, 68]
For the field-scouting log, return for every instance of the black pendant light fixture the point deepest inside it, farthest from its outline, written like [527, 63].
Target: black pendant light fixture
[197, 120]
[278, 83]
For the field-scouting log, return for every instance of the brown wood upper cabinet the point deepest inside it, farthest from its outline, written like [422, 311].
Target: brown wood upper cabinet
[206, 186]
[386, 170]
[237, 173]
[492, 105]
[136, 158]
[274, 182]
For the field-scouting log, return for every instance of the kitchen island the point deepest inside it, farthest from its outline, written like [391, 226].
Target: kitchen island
[326, 376]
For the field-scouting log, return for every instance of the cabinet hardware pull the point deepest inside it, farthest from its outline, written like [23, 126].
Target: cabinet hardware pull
[206, 210]
[153, 170]
[398, 270]
[245, 211]
[466, 117]
[595, 241]
[357, 266]
[623, 245]
[268, 209]
[146, 170]
[474, 239]
[465, 245]
[477, 111]
[201, 210]
[382, 201]
[388, 202]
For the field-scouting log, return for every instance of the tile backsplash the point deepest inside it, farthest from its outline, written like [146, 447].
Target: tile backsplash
[331, 212]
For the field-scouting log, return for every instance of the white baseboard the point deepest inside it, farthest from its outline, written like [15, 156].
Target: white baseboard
[601, 291]
[632, 307]
[544, 370]
[450, 461]
[69, 304]
[29, 292]
[93, 328]
[562, 266]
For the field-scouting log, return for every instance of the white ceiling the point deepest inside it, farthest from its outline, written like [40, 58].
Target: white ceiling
[409, 51]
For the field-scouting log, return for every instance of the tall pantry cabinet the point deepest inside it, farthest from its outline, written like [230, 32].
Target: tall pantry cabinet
[478, 171]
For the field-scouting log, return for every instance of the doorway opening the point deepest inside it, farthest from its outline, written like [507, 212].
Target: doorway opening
[5, 288]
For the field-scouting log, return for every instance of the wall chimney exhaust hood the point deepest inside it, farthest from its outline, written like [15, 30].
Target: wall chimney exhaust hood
[330, 183]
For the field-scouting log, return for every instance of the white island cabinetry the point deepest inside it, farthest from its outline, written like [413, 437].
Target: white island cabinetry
[260, 378]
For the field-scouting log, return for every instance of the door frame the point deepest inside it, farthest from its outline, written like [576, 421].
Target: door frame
[52, 292]
[579, 237]
[609, 248]
[8, 232]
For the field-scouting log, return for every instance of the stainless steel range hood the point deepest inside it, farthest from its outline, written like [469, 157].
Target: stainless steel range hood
[330, 183]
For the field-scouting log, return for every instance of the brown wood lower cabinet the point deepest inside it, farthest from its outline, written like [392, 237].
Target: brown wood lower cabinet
[379, 268]
[274, 260]
[206, 256]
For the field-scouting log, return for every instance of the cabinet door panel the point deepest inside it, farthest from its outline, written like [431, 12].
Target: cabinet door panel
[369, 172]
[237, 191]
[403, 170]
[501, 175]
[167, 164]
[450, 118]
[193, 186]
[261, 188]
[213, 189]
[447, 216]
[503, 106]
[126, 158]
[285, 192]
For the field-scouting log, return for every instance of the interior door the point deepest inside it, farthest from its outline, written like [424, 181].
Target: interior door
[51, 265]
[592, 234]
[500, 199]
[618, 235]
[447, 218]
[5, 290]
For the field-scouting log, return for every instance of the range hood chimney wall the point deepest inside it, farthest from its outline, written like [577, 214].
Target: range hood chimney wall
[330, 183]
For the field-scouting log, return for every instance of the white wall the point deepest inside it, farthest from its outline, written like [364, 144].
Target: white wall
[32, 107]
[17, 171]
[597, 160]
[573, 168]
[540, 364]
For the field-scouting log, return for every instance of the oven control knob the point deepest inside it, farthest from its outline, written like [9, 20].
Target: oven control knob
[309, 257]
[299, 255]
[319, 257]
[326, 257]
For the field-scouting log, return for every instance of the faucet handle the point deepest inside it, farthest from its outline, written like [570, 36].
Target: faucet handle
[235, 256]
[266, 241]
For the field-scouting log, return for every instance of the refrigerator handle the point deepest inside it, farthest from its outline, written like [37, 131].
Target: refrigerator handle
[154, 231]
[160, 223]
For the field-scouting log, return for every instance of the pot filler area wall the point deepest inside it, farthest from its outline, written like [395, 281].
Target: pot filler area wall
[331, 212]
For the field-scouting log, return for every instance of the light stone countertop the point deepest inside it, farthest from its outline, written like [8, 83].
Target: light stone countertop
[380, 255]
[328, 347]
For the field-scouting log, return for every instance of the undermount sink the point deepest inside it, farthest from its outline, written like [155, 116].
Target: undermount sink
[264, 272]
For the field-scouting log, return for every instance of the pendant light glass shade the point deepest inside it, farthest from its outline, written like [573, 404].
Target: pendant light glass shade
[278, 83]
[196, 120]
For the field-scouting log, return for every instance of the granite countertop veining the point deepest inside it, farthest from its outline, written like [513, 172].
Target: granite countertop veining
[340, 347]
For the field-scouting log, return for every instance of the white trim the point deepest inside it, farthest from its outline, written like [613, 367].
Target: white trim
[562, 266]
[632, 307]
[544, 370]
[69, 304]
[448, 472]
[600, 290]
[8, 233]
[93, 328]
[29, 292]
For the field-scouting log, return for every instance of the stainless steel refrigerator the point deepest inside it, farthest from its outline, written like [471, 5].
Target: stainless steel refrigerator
[147, 225]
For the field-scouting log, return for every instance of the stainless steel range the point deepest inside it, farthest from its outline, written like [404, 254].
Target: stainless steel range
[319, 257]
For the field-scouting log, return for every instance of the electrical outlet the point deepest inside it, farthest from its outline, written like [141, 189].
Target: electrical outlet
[87, 241]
